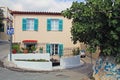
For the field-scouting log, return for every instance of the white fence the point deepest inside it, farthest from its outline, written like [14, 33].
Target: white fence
[70, 62]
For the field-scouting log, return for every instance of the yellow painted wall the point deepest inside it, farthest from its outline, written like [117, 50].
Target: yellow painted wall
[42, 35]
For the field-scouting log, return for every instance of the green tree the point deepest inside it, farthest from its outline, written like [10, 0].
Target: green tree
[1, 20]
[97, 24]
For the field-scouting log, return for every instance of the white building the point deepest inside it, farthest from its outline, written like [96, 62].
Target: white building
[8, 19]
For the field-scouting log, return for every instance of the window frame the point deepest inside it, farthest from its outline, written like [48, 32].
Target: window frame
[54, 24]
[33, 26]
[53, 49]
[30, 26]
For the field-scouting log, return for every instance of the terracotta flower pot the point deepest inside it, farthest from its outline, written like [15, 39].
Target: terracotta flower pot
[25, 51]
[14, 51]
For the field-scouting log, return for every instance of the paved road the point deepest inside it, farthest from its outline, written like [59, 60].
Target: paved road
[79, 73]
[4, 49]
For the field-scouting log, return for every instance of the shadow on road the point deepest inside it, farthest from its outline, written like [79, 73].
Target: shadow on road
[1, 64]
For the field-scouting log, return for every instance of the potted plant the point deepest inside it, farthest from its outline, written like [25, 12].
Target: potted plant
[15, 48]
[25, 50]
[33, 48]
[76, 51]
[14, 51]
[41, 49]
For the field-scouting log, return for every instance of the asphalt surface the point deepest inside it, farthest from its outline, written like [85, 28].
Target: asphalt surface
[79, 73]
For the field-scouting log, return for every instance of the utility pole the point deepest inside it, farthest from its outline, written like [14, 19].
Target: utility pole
[10, 47]
[10, 32]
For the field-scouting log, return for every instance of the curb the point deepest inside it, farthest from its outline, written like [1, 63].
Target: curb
[13, 67]
[4, 41]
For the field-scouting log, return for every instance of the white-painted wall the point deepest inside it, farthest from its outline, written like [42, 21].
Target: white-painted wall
[30, 64]
[34, 65]
[70, 62]
[45, 56]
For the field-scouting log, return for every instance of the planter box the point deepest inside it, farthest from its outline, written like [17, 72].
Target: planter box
[70, 62]
[34, 65]
[45, 56]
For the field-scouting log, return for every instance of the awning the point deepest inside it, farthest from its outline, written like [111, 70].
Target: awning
[29, 41]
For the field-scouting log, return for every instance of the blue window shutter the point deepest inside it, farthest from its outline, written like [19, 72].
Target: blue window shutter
[24, 22]
[60, 50]
[48, 48]
[36, 24]
[48, 24]
[60, 24]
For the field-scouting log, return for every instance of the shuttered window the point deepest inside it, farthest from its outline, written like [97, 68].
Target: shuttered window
[54, 49]
[48, 48]
[54, 24]
[29, 24]
[48, 24]
[24, 22]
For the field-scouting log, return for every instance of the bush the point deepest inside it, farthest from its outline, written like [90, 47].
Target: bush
[117, 59]
[16, 46]
[32, 60]
[76, 51]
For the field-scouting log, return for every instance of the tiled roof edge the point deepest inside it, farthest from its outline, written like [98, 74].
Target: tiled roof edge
[33, 12]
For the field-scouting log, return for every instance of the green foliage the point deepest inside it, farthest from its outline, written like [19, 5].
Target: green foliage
[97, 24]
[76, 51]
[24, 48]
[16, 46]
[117, 59]
[1, 21]
[33, 48]
[32, 60]
[91, 49]
[41, 49]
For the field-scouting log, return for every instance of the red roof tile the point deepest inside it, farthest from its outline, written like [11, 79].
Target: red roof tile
[36, 13]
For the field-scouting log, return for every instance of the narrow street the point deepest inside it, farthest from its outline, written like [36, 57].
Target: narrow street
[80, 73]
[4, 49]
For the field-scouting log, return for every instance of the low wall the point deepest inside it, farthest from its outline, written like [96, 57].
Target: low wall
[31, 64]
[45, 56]
[65, 62]
[70, 62]
[34, 65]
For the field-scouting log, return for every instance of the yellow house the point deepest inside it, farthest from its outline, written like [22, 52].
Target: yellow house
[7, 22]
[47, 30]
